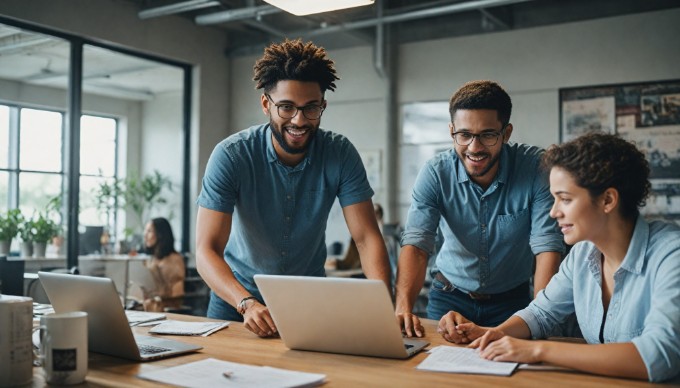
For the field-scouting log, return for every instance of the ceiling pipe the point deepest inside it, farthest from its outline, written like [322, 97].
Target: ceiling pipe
[236, 15]
[424, 13]
[175, 8]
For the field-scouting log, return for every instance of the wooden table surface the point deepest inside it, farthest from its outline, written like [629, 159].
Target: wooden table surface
[236, 344]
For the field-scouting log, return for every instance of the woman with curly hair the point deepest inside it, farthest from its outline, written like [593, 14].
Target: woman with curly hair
[621, 278]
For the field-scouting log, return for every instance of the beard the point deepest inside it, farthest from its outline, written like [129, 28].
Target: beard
[484, 170]
[289, 148]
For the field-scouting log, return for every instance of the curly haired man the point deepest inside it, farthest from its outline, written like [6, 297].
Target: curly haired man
[268, 190]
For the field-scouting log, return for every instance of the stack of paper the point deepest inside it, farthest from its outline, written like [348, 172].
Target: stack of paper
[188, 328]
[456, 359]
[135, 317]
[216, 373]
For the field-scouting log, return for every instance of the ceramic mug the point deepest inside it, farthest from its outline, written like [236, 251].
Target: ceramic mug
[16, 356]
[63, 347]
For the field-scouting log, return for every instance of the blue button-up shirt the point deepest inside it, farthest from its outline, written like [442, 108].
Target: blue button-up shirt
[490, 236]
[280, 212]
[644, 308]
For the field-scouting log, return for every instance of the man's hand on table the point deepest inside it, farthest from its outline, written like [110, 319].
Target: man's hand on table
[258, 320]
[410, 324]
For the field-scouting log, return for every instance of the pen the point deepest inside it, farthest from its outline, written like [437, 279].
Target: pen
[228, 374]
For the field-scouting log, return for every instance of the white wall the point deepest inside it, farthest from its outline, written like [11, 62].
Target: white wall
[532, 64]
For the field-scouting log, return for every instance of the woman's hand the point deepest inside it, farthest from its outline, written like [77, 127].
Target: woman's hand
[457, 329]
[496, 346]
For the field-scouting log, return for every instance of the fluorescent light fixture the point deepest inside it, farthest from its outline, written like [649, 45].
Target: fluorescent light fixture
[308, 7]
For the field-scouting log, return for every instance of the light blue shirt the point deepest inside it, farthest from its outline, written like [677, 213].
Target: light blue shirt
[280, 212]
[644, 308]
[491, 236]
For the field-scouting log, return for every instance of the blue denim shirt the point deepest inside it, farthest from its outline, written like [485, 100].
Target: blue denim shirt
[490, 237]
[644, 308]
[280, 212]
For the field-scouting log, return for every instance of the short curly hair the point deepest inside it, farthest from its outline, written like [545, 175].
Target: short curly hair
[598, 161]
[296, 61]
[482, 94]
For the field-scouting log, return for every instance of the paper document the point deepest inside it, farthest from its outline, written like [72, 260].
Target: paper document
[463, 360]
[216, 373]
[188, 328]
[135, 317]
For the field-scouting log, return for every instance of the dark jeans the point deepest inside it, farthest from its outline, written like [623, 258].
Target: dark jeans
[219, 309]
[491, 312]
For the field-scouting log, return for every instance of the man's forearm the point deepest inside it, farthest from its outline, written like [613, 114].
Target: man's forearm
[410, 277]
[219, 277]
[374, 260]
[547, 265]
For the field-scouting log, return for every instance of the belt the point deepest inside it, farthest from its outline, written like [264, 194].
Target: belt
[522, 289]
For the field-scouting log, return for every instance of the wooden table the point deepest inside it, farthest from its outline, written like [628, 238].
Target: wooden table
[236, 344]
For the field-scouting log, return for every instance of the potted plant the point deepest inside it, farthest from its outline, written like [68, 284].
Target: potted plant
[9, 227]
[43, 231]
[141, 194]
[138, 195]
[27, 237]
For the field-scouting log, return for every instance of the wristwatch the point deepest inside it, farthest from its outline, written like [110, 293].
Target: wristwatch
[242, 306]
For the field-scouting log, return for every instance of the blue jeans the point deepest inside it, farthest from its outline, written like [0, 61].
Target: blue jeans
[219, 309]
[488, 313]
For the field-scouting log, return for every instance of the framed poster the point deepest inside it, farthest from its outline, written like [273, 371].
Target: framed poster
[646, 113]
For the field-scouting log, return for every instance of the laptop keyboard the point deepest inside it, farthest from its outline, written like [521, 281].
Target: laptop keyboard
[145, 350]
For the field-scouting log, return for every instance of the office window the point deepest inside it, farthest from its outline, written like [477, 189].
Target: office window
[40, 139]
[4, 156]
[4, 136]
[98, 148]
[30, 178]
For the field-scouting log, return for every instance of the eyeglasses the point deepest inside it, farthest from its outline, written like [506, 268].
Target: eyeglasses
[288, 111]
[465, 138]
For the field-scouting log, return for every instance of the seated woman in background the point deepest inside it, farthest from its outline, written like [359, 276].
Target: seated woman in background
[622, 277]
[166, 266]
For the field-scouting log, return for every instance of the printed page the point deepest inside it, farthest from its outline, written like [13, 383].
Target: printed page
[188, 328]
[463, 360]
[216, 373]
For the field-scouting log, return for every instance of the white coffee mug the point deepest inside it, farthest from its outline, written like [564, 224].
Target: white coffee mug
[16, 355]
[63, 347]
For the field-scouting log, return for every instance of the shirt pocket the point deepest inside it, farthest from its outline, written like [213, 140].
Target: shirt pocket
[514, 228]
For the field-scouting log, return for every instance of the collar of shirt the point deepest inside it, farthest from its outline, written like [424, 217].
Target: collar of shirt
[501, 175]
[635, 256]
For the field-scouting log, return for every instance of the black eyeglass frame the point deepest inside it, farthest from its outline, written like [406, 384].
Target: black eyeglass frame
[298, 109]
[480, 136]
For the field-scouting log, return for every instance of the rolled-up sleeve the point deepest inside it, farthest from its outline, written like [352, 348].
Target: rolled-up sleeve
[544, 236]
[220, 183]
[659, 343]
[424, 214]
[546, 314]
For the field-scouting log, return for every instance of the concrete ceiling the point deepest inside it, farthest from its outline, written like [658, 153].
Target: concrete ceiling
[35, 59]
[250, 24]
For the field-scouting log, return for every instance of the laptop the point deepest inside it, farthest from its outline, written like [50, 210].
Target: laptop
[336, 315]
[108, 330]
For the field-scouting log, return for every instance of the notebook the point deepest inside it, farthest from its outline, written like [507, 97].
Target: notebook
[108, 328]
[336, 315]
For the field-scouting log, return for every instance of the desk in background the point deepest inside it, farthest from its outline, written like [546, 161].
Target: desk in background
[236, 344]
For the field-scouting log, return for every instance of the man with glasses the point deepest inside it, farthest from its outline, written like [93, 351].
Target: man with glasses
[268, 190]
[491, 202]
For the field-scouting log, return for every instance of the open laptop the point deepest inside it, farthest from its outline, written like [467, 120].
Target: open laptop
[335, 315]
[108, 328]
